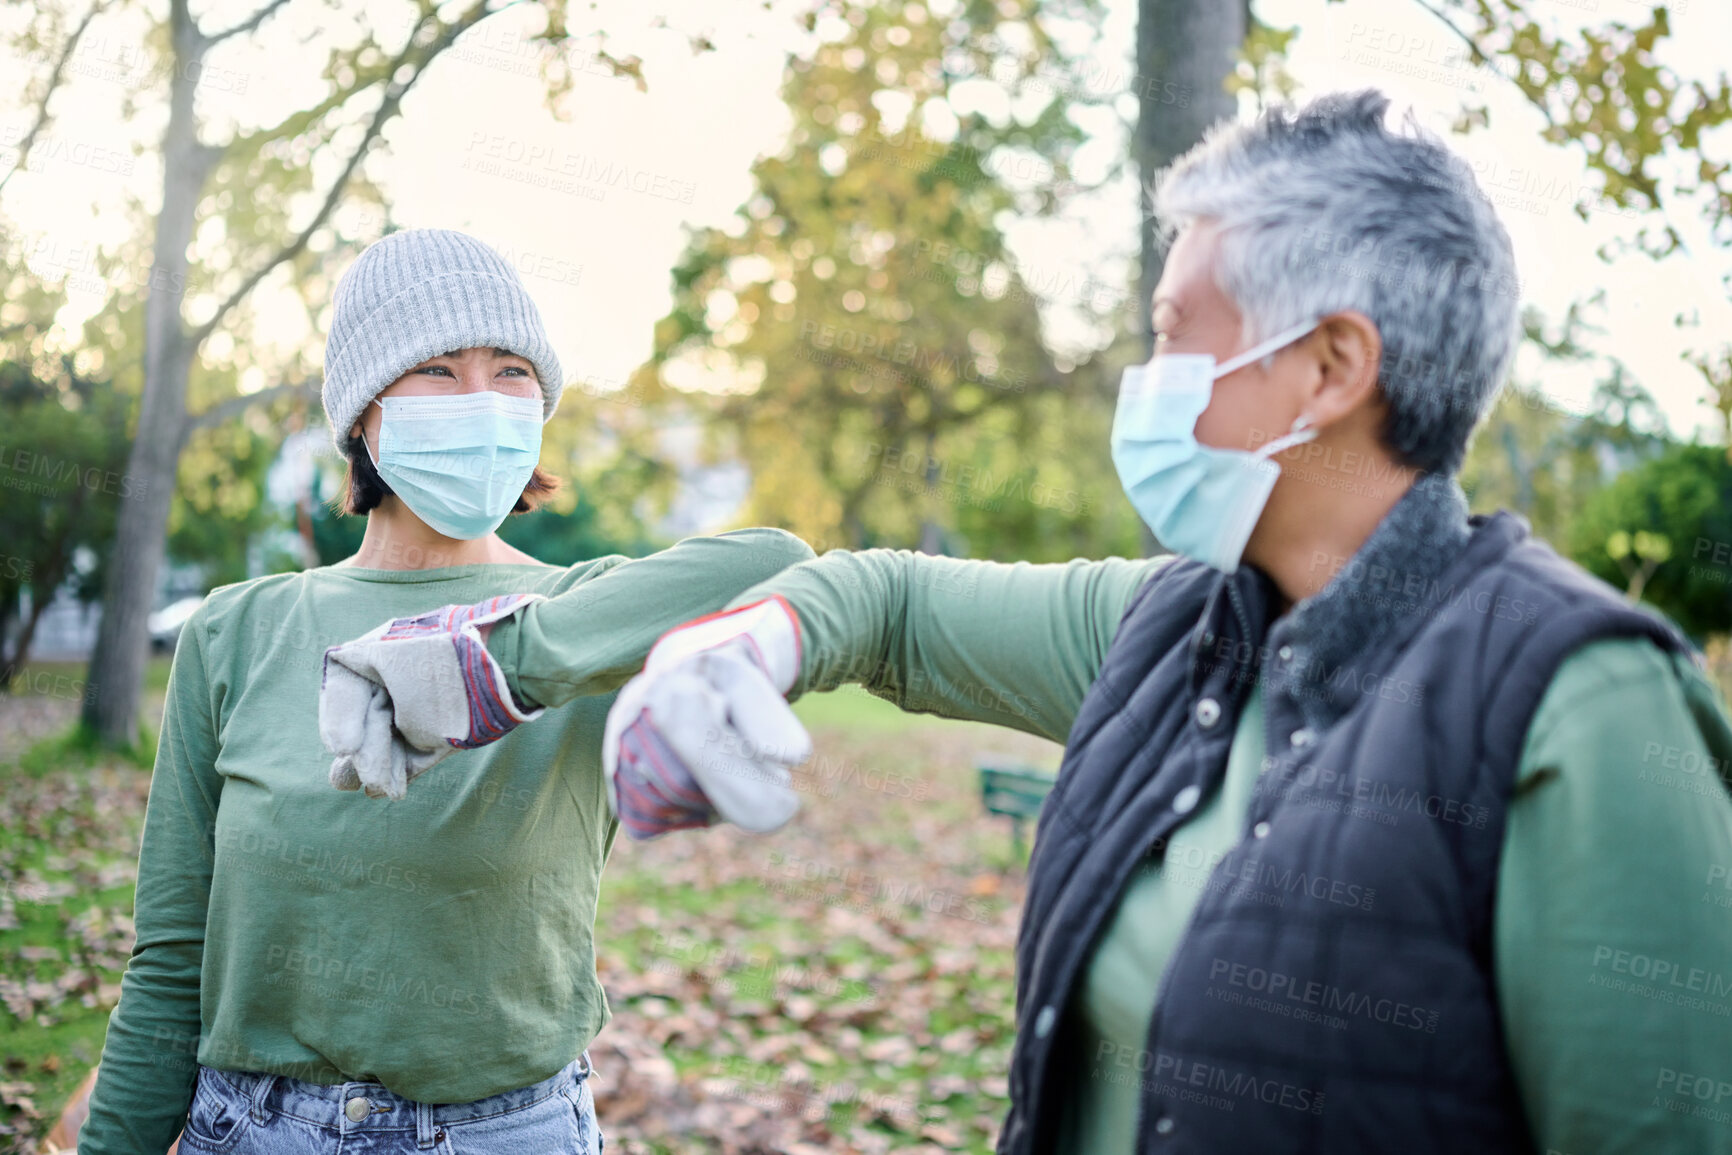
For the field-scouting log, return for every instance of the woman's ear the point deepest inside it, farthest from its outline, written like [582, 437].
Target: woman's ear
[1351, 351]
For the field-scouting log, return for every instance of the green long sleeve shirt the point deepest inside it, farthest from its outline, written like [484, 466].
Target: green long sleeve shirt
[442, 944]
[1613, 933]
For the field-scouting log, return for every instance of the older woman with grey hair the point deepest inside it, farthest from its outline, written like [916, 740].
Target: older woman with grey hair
[1380, 826]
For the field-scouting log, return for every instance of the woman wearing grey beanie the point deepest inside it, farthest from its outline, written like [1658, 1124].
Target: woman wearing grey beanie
[374, 967]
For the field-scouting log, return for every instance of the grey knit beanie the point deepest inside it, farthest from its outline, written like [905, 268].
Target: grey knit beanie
[417, 294]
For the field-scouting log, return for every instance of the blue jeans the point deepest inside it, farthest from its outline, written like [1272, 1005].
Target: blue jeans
[251, 1113]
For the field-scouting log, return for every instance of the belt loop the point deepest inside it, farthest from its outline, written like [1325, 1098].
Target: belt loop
[423, 1125]
[260, 1090]
[587, 1069]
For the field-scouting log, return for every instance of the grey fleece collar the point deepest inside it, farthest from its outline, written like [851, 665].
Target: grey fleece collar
[1380, 586]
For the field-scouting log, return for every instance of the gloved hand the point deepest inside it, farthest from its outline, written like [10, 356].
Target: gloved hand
[414, 691]
[704, 732]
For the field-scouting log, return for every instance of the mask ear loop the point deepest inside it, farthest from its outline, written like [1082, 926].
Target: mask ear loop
[364, 445]
[1301, 432]
[1264, 348]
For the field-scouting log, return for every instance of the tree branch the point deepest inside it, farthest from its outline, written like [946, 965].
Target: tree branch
[1479, 56]
[246, 25]
[235, 406]
[388, 107]
[1647, 186]
[53, 84]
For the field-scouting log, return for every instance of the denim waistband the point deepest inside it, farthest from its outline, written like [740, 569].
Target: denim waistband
[328, 1104]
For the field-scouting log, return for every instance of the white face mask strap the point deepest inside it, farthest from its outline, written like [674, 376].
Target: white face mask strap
[1279, 341]
[1298, 435]
[364, 445]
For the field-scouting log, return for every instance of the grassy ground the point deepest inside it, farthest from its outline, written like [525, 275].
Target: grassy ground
[843, 985]
[68, 862]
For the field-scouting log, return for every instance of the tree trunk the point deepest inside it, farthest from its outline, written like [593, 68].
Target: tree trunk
[12, 664]
[122, 644]
[1186, 49]
[11, 659]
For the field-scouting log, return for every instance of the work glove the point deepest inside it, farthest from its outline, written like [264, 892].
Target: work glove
[704, 733]
[403, 697]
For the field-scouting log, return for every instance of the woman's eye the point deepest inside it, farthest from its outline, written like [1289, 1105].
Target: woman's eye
[435, 369]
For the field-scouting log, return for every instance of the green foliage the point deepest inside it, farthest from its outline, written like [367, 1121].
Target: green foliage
[1655, 140]
[1607, 92]
[335, 536]
[1604, 90]
[861, 335]
[1047, 491]
[567, 538]
[604, 446]
[1673, 513]
[219, 506]
[1262, 66]
[62, 466]
[1545, 463]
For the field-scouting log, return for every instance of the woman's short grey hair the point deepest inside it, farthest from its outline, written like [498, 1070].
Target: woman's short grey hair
[1322, 209]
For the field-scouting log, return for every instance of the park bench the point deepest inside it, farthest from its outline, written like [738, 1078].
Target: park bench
[1016, 792]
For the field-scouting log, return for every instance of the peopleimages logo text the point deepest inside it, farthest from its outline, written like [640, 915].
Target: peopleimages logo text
[1324, 995]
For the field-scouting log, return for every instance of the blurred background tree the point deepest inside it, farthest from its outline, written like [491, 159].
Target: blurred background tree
[862, 336]
[62, 455]
[1683, 496]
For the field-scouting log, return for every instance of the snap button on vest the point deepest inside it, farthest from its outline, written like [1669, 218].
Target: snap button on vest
[1261, 830]
[357, 1109]
[1185, 800]
[1164, 1125]
[1303, 736]
[1043, 1022]
[1208, 713]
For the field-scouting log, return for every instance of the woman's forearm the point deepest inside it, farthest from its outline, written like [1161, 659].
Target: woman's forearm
[1016, 645]
[590, 639]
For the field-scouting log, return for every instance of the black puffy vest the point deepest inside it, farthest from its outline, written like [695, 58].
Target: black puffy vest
[1333, 991]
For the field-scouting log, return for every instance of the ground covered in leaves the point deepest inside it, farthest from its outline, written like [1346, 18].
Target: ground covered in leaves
[68, 863]
[842, 985]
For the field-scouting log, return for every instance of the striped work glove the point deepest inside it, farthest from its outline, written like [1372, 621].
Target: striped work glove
[414, 691]
[704, 732]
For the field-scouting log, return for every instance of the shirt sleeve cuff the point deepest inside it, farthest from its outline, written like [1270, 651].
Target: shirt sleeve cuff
[502, 642]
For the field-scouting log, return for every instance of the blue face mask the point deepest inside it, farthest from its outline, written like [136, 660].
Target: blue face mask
[460, 463]
[1199, 501]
